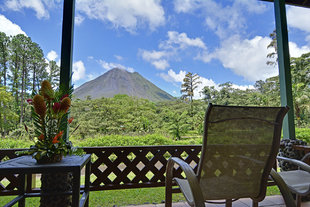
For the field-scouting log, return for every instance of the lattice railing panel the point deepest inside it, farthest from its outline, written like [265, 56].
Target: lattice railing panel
[134, 167]
[8, 183]
[120, 167]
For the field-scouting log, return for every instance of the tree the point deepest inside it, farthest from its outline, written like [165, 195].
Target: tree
[4, 57]
[178, 125]
[273, 45]
[54, 73]
[300, 68]
[37, 65]
[190, 83]
[23, 51]
[6, 99]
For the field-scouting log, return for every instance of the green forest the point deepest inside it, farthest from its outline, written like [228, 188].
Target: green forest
[23, 67]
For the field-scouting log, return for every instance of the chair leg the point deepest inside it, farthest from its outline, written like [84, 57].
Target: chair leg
[168, 196]
[298, 200]
[254, 203]
[228, 203]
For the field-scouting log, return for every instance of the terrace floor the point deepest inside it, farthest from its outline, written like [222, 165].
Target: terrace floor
[270, 201]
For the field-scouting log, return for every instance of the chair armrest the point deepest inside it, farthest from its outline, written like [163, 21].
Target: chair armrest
[305, 157]
[190, 175]
[288, 198]
[299, 163]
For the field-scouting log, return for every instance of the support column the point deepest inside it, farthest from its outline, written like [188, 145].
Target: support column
[67, 47]
[284, 68]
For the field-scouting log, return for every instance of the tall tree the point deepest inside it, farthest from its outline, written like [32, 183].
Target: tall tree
[15, 72]
[21, 45]
[54, 73]
[4, 58]
[37, 65]
[190, 83]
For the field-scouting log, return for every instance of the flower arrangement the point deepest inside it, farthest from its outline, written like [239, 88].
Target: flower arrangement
[50, 110]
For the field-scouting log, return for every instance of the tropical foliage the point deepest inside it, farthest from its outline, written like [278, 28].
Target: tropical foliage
[50, 117]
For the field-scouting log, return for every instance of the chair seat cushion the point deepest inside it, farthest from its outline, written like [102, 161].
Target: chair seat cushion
[297, 180]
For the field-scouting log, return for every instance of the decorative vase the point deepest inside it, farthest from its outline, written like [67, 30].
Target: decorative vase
[52, 159]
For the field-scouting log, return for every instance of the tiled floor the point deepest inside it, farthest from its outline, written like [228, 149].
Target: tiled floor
[270, 201]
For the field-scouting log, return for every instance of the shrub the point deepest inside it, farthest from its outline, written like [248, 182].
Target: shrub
[303, 134]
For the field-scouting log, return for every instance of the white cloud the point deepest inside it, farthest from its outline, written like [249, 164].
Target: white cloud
[223, 20]
[242, 87]
[246, 58]
[185, 5]
[123, 13]
[298, 17]
[156, 58]
[9, 28]
[181, 41]
[111, 65]
[295, 51]
[78, 19]
[204, 82]
[160, 64]
[118, 57]
[173, 77]
[52, 55]
[177, 79]
[78, 71]
[172, 49]
[36, 5]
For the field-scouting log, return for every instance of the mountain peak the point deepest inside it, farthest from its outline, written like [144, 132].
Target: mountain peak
[120, 81]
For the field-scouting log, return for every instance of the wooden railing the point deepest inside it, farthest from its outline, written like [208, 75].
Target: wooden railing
[118, 167]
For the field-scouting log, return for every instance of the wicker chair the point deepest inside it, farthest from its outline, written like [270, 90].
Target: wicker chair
[240, 145]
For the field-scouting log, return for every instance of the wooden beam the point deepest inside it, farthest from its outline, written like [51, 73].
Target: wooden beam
[67, 47]
[284, 68]
[302, 3]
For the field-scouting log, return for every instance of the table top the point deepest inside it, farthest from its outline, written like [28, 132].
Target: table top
[26, 164]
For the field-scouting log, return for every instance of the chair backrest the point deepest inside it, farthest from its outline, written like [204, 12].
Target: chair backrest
[239, 149]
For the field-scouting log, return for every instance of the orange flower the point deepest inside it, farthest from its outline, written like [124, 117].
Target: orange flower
[47, 90]
[56, 138]
[41, 137]
[70, 120]
[39, 105]
[65, 104]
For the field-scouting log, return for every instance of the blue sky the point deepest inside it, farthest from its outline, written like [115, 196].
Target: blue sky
[220, 40]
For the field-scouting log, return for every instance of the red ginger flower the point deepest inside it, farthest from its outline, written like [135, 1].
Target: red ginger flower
[70, 120]
[56, 107]
[41, 137]
[64, 96]
[56, 138]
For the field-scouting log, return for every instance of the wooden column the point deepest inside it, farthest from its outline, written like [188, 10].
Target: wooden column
[284, 68]
[67, 47]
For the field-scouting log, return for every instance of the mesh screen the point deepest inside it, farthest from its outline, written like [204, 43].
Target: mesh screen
[239, 140]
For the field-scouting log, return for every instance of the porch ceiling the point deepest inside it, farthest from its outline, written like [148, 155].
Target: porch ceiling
[302, 3]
